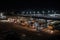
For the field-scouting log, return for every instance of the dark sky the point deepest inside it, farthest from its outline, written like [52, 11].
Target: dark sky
[29, 4]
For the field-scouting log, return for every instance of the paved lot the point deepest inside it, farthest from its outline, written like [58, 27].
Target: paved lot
[10, 31]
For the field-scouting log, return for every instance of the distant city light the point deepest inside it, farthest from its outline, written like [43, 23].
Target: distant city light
[33, 12]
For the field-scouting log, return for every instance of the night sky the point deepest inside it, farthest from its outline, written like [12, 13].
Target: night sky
[29, 4]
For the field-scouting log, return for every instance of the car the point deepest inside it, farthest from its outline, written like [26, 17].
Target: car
[56, 25]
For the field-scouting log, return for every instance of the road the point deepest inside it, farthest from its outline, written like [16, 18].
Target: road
[24, 33]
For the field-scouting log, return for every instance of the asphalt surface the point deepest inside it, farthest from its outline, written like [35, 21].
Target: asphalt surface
[10, 31]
